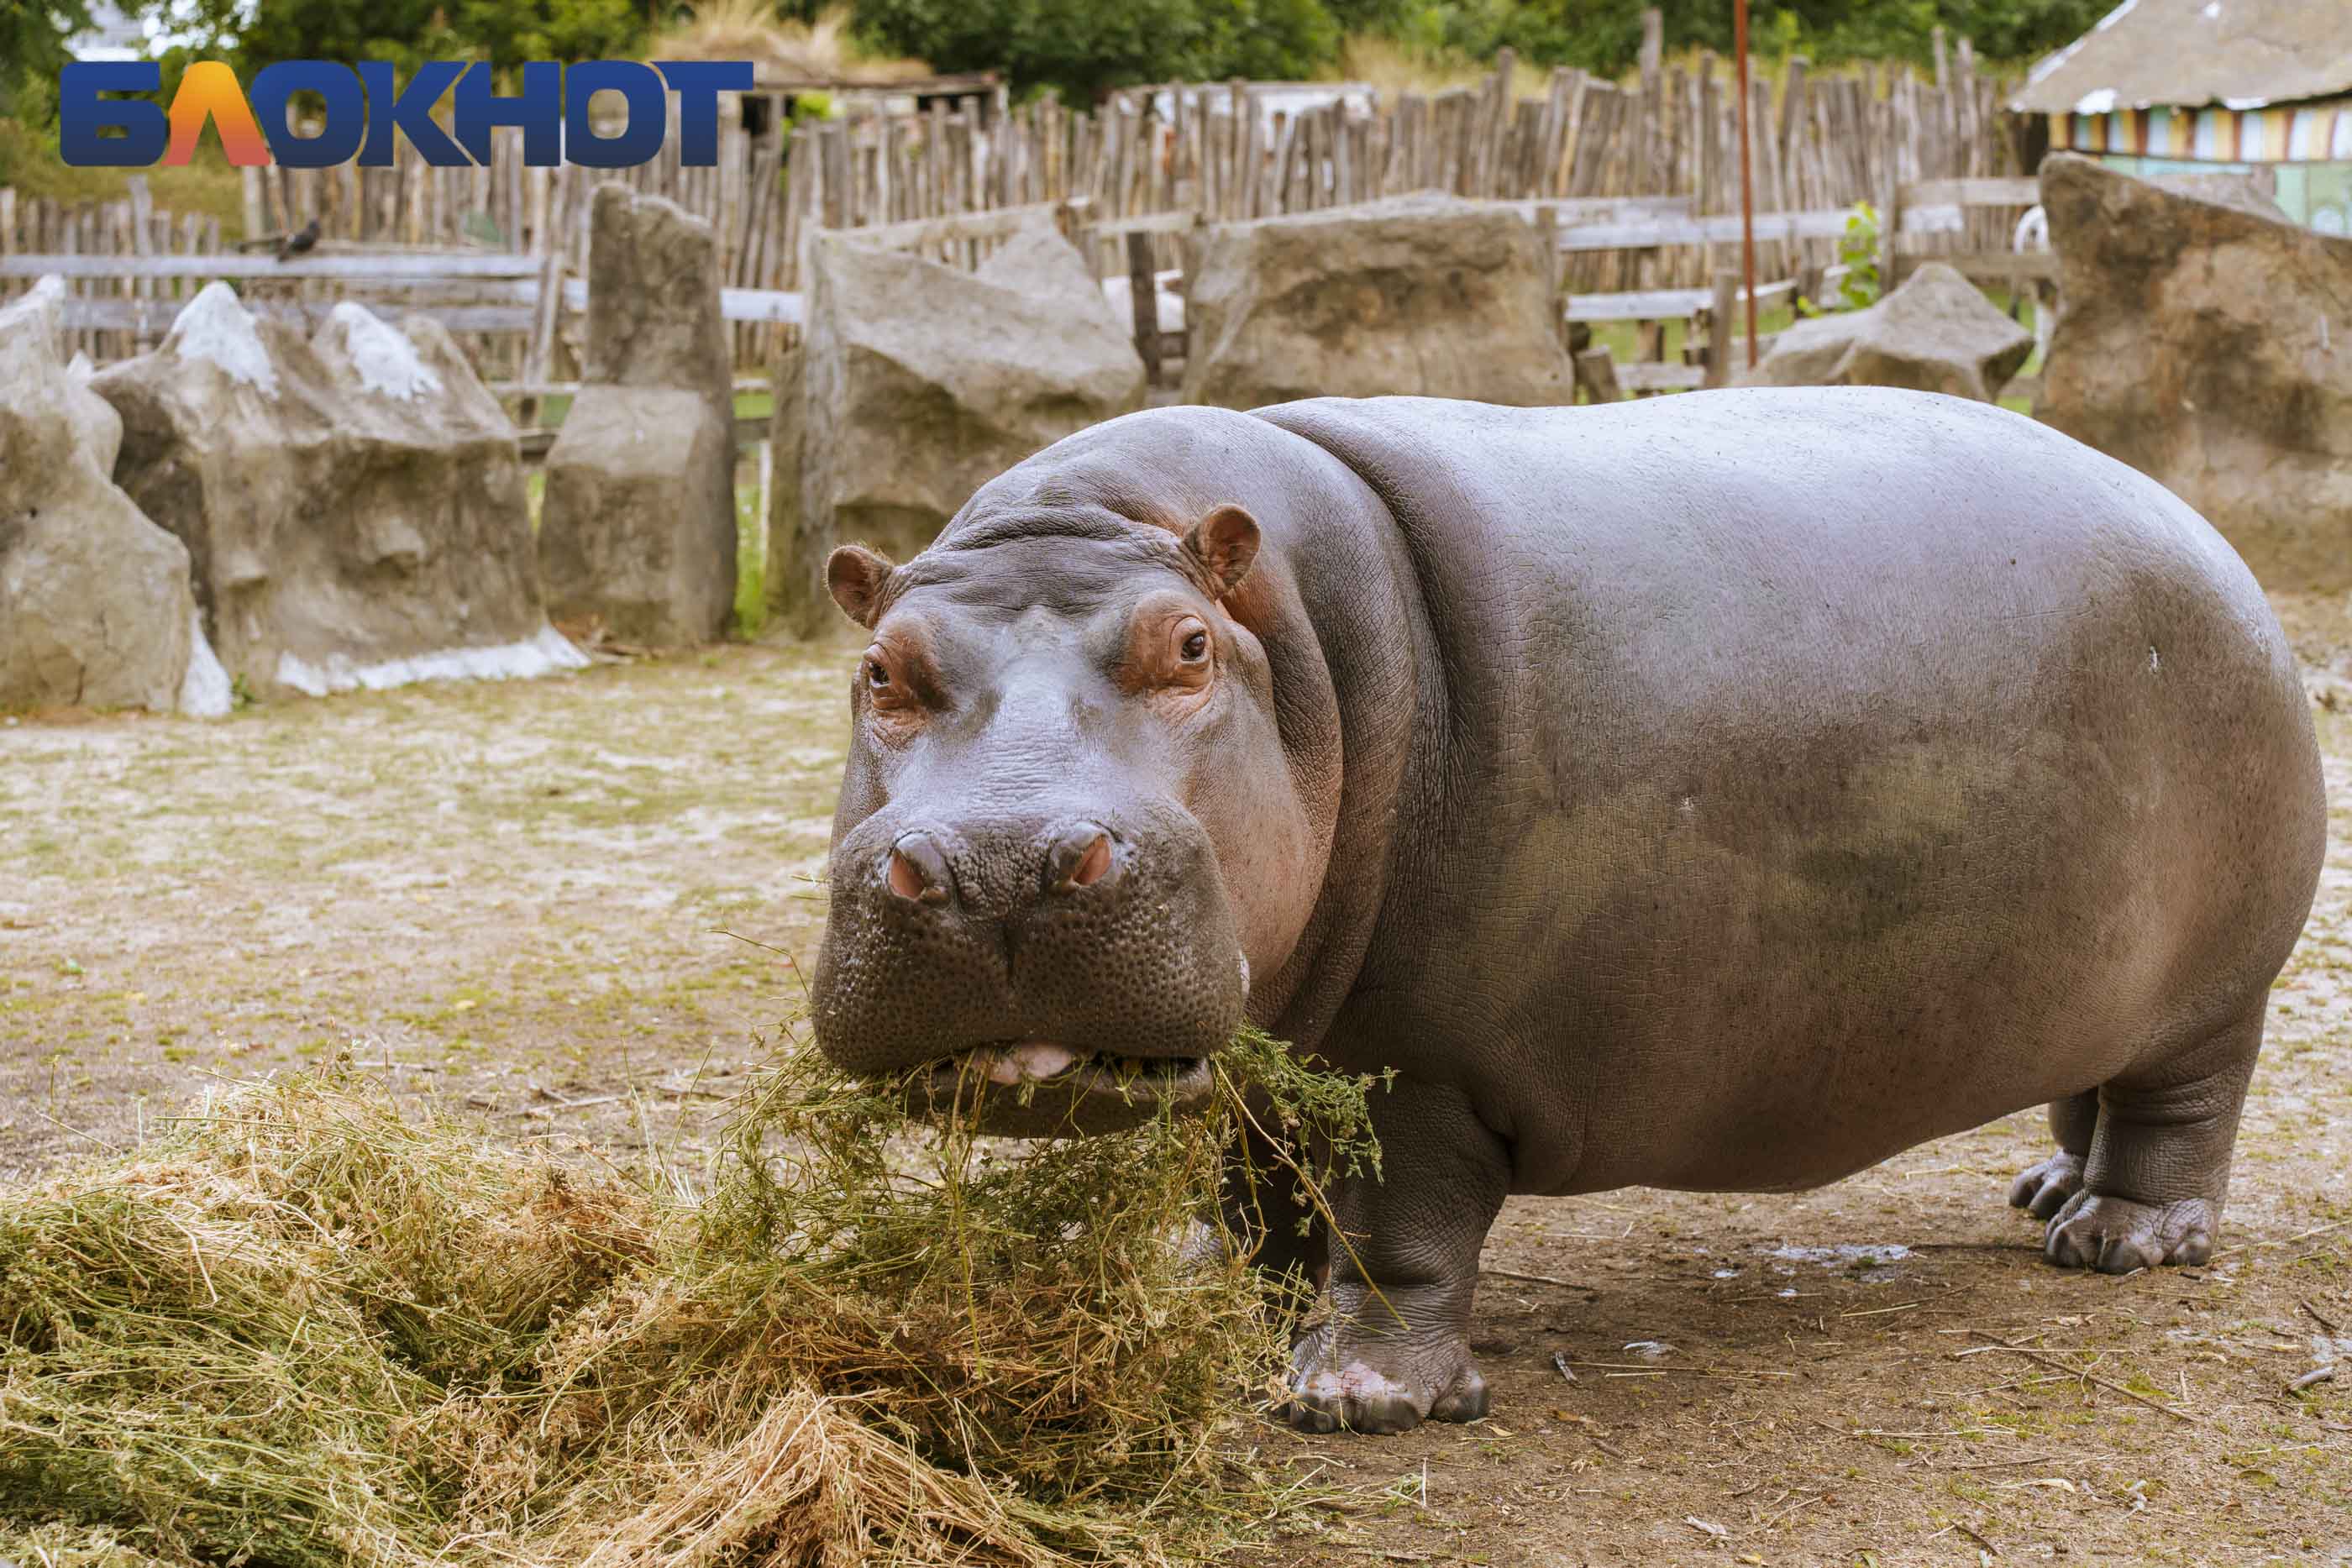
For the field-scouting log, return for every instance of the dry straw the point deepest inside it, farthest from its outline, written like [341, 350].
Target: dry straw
[297, 1328]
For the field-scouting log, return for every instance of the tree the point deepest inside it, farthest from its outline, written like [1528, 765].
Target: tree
[33, 35]
[1087, 47]
[405, 32]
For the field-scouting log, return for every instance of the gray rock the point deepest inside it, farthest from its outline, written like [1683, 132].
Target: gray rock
[1423, 294]
[2208, 344]
[916, 383]
[353, 504]
[95, 606]
[637, 525]
[1936, 333]
[97, 428]
[632, 549]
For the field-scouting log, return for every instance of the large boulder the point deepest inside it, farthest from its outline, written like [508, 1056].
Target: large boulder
[1935, 334]
[1423, 294]
[353, 504]
[638, 524]
[918, 382]
[2208, 344]
[95, 605]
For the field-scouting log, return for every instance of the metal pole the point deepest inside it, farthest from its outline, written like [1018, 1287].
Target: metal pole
[1747, 177]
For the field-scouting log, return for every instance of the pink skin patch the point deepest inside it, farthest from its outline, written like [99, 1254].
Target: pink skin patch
[1032, 1061]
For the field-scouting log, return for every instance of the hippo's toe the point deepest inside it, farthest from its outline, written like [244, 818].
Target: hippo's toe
[2117, 1235]
[2043, 1190]
[1361, 1397]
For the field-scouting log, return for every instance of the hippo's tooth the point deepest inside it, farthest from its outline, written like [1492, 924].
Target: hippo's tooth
[1035, 1059]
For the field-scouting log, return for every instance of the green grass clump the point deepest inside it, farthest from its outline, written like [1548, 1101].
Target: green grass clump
[299, 1328]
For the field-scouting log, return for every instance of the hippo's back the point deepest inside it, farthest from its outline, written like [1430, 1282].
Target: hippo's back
[1844, 767]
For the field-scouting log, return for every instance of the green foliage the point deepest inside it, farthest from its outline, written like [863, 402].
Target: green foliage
[1088, 48]
[508, 32]
[1858, 250]
[405, 32]
[33, 35]
[1605, 35]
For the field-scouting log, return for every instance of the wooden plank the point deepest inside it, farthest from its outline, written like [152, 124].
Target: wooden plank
[1999, 268]
[920, 233]
[1973, 192]
[1716, 229]
[1664, 304]
[1642, 375]
[1181, 221]
[335, 264]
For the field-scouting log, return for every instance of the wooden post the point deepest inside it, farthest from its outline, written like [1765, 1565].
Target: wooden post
[1144, 300]
[1747, 178]
[1718, 336]
[1596, 373]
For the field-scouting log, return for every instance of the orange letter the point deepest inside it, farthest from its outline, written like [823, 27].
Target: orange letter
[209, 92]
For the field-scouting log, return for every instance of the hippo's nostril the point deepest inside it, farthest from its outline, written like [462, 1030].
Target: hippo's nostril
[918, 870]
[1081, 857]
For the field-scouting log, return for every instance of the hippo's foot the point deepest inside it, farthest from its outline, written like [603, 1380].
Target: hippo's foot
[1383, 1385]
[2043, 1190]
[2117, 1235]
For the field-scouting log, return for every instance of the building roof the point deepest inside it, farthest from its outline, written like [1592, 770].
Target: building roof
[2186, 53]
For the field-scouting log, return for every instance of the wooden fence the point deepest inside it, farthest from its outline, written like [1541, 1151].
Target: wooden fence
[1146, 160]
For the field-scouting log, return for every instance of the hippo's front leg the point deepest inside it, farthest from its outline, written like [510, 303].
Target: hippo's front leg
[1396, 1347]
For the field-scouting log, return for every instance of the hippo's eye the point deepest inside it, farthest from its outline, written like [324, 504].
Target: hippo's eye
[875, 675]
[1194, 647]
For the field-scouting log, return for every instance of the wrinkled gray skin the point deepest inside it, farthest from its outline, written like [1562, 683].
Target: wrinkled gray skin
[1722, 793]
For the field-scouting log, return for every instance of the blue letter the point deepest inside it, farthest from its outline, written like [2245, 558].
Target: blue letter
[82, 114]
[411, 111]
[272, 94]
[697, 84]
[539, 110]
[641, 136]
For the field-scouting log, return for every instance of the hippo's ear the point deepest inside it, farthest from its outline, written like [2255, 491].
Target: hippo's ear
[856, 575]
[1225, 543]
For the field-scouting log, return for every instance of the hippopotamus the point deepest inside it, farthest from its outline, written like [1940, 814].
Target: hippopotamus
[1722, 793]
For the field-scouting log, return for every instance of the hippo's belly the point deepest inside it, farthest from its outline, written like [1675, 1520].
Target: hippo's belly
[1823, 772]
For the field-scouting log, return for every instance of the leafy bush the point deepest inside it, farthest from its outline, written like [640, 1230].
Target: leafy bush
[1605, 35]
[1088, 48]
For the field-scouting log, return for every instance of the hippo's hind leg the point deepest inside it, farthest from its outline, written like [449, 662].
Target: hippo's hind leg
[1395, 1350]
[2159, 1162]
[2042, 1188]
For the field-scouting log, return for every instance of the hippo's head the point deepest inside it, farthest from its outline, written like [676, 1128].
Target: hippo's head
[1068, 834]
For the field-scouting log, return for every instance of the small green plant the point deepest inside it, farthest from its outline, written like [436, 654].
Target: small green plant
[1858, 253]
[240, 694]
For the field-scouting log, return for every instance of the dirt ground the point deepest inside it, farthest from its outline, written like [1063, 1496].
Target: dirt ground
[569, 905]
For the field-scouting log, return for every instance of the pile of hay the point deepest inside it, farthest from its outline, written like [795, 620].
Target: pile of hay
[297, 1328]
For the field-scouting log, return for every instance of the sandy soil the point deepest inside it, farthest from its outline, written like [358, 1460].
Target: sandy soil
[516, 899]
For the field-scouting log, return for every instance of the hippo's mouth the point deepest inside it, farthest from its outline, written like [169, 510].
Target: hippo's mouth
[1039, 1089]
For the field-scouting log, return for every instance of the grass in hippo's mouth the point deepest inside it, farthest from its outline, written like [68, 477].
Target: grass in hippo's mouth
[298, 1328]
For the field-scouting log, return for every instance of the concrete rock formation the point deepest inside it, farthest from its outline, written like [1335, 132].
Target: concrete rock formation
[353, 504]
[1936, 333]
[918, 382]
[637, 527]
[2208, 344]
[95, 606]
[1422, 295]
